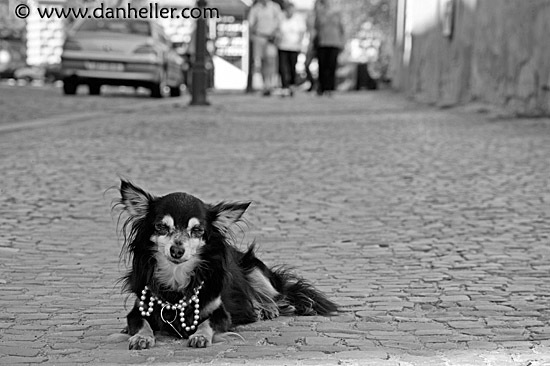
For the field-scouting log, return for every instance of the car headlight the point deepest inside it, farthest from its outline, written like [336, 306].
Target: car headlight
[5, 57]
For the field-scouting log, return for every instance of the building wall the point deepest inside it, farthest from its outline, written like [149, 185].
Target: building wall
[497, 53]
[44, 36]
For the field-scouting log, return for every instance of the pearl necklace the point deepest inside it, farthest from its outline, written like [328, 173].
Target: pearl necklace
[181, 306]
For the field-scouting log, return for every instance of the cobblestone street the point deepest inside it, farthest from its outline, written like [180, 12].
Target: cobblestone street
[429, 227]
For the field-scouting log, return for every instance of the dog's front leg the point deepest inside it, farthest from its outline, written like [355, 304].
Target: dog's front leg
[219, 321]
[203, 336]
[142, 335]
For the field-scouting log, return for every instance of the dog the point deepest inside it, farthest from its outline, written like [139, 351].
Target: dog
[189, 278]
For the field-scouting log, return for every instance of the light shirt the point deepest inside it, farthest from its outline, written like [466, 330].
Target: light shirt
[291, 33]
[264, 20]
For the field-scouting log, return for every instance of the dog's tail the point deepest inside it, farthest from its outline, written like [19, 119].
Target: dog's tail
[279, 290]
[298, 296]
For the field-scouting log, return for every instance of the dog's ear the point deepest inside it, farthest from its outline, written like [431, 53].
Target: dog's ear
[224, 214]
[134, 199]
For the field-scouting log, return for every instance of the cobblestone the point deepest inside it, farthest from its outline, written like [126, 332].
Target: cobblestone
[429, 227]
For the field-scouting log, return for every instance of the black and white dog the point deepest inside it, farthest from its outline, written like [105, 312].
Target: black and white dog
[188, 277]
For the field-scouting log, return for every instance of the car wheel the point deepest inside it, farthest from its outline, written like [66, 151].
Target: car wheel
[69, 86]
[94, 89]
[175, 91]
[158, 90]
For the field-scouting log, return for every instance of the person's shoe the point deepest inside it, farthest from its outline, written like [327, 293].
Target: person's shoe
[266, 93]
[285, 92]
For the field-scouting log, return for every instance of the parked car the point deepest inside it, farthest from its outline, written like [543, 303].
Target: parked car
[120, 52]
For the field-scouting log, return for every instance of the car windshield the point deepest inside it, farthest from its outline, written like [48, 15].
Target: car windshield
[123, 26]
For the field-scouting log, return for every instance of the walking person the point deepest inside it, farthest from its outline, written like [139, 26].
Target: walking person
[329, 31]
[311, 52]
[264, 19]
[291, 34]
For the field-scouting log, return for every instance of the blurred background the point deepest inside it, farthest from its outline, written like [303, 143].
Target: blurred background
[445, 52]
[31, 49]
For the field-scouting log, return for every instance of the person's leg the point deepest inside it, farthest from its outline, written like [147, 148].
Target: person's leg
[281, 66]
[322, 79]
[269, 67]
[292, 60]
[258, 52]
[310, 55]
[332, 65]
[284, 68]
[267, 76]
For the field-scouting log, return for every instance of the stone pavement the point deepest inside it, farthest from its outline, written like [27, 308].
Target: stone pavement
[429, 227]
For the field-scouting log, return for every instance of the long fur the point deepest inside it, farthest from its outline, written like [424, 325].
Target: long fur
[238, 287]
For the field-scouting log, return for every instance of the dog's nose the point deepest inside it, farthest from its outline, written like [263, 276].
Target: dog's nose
[176, 252]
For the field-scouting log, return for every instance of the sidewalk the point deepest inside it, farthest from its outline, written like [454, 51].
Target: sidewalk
[429, 227]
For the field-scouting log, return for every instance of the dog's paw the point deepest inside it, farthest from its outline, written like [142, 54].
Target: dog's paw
[268, 314]
[199, 341]
[139, 341]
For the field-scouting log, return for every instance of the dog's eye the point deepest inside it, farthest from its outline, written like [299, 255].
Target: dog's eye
[161, 228]
[197, 232]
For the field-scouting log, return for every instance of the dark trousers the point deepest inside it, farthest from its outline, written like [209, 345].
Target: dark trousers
[287, 67]
[310, 56]
[328, 60]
